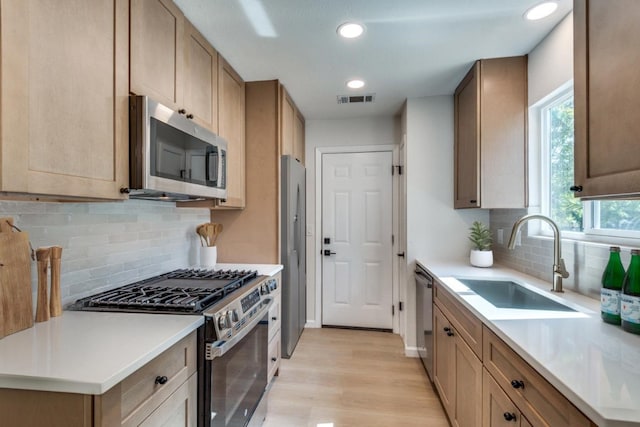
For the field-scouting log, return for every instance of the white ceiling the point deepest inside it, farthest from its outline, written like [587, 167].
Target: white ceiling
[411, 48]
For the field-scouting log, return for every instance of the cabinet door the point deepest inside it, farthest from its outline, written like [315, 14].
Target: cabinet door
[179, 410]
[298, 137]
[468, 388]
[467, 140]
[231, 120]
[444, 374]
[498, 409]
[201, 79]
[607, 88]
[65, 97]
[287, 124]
[157, 51]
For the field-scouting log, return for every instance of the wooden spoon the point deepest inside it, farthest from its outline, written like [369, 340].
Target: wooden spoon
[216, 233]
[42, 309]
[202, 233]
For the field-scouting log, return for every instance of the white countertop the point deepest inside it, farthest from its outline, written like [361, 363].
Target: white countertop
[594, 364]
[88, 352]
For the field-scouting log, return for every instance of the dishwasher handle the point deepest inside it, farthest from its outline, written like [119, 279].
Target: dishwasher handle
[424, 279]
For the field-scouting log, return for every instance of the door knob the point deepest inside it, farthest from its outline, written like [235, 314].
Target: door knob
[328, 252]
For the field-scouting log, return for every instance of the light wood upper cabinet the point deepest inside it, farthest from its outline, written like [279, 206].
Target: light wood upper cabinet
[298, 137]
[291, 127]
[64, 98]
[201, 82]
[607, 89]
[157, 51]
[491, 135]
[172, 63]
[231, 124]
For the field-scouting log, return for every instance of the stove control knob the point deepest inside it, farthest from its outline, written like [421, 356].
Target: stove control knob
[273, 285]
[264, 289]
[223, 322]
[234, 316]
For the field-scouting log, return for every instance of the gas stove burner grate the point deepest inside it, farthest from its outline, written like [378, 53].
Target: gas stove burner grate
[194, 273]
[180, 291]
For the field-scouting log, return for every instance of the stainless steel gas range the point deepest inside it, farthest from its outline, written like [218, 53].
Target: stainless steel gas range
[232, 344]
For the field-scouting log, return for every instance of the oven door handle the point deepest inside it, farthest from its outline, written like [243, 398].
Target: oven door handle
[219, 348]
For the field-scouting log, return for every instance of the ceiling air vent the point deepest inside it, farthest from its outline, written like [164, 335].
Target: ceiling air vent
[357, 99]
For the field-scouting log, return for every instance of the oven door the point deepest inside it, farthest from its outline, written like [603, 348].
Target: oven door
[237, 378]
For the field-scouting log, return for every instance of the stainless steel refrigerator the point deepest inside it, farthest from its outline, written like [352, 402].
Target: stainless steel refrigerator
[293, 253]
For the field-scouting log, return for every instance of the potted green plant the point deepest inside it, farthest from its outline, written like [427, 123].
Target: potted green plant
[481, 253]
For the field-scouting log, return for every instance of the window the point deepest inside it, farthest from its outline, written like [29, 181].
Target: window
[620, 218]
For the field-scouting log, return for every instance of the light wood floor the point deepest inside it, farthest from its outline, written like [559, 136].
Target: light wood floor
[352, 379]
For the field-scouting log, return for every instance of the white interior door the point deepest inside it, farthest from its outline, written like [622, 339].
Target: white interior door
[357, 221]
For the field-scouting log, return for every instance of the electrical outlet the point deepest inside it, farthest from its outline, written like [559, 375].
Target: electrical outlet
[500, 236]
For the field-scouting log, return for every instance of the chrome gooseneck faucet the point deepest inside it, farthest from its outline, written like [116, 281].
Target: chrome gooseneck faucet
[559, 270]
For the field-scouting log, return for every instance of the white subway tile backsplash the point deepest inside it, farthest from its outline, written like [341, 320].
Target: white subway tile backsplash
[585, 262]
[109, 244]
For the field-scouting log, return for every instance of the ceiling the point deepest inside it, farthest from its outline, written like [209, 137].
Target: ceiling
[411, 48]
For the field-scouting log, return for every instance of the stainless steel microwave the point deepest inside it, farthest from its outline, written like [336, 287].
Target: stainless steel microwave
[171, 157]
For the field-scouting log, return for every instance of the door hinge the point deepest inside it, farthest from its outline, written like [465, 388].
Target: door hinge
[393, 310]
[400, 306]
[394, 167]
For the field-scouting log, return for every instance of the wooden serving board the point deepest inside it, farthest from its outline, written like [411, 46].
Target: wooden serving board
[16, 309]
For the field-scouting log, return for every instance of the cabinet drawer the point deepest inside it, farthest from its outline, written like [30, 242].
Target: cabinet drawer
[498, 409]
[275, 315]
[538, 400]
[468, 325]
[180, 409]
[274, 356]
[142, 391]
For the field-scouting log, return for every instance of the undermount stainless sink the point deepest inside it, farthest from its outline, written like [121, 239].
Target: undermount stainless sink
[508, 294]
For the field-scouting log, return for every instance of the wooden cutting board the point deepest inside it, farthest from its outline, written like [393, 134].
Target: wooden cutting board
[16, 309]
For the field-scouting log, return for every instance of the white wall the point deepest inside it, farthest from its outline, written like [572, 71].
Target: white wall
[435, 231]
[551, 61]
[335, 133]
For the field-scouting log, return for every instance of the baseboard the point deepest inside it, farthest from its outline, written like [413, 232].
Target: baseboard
[411, 352]
[312, 324]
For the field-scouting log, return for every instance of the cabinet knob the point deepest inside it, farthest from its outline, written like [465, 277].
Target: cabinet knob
[473, 201]
[517, 384]
[125, 190]
[273, 359]
[182, 111]
[509, 416]
[161, 379]
[274, 318]
[576, 188]
[449, 334]
[189, 116]
[447, 329]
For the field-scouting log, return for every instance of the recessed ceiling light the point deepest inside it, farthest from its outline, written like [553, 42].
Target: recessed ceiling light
[350, 30]
[541, 10]
[355, 84]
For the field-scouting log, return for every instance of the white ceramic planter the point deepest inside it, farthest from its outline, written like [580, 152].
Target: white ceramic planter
[481, 258]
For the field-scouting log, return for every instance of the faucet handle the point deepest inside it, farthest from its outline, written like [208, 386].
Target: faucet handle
[562, 269]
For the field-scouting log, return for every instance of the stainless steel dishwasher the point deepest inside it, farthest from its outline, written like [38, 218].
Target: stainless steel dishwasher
[424, 318]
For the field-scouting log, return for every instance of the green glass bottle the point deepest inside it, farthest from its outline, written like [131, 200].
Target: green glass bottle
[612, 279]
[630, 310]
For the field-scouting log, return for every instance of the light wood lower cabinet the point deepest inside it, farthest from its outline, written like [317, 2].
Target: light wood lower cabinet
[162, 392]
[64, 71]
[275, 322]
[457, 374]
[538, 400]
[498, 409]
[494, 387]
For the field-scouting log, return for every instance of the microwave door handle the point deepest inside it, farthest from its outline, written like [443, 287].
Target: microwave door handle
[206, 167]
